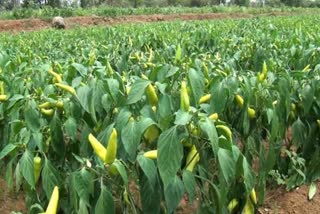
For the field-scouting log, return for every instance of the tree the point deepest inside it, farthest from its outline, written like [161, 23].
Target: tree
[293, 3]
[242, 2]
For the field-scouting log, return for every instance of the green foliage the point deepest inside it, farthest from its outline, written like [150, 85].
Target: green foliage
[105, 66]
[114, 9]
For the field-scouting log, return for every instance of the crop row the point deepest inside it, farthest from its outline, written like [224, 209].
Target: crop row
[134, 118]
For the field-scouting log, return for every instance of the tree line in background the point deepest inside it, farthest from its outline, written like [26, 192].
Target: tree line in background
[36, 4]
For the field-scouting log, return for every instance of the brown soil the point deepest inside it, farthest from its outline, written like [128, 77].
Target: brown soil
[38, 24]
[10, 201]
[280, 201]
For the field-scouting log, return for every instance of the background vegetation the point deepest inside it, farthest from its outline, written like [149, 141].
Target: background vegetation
[49, 8]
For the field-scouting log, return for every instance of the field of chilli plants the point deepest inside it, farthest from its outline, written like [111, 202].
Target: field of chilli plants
[213, 111]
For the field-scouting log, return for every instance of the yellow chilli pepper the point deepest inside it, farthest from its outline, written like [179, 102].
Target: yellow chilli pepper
[111, 153]
[1, 87]
[126, 196]
[263, 75]
[253, 196]
[248, 208]
[152, 95]
[97, 147]
[67, 88]
[56, 76]
[3, 97]
[239, 100]
[232, 205]
[204, 98]
[251, 113]
[53, 203]
[153, 154]
[59, 104]
[184, 97]
[151, 133]
[37, 167]
[226, 131]
[47, 112]
[45, 105]
[192, 158]
[214, 116]
[154, 109]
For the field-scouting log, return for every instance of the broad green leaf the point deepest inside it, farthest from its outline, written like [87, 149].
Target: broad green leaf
[149, 169]
[50, 177]
[172, 70]
[137, 90]
[4, 59]
[190, 184]
[122, 171]
[173, 193]
[16, 126]
[150, 195]
[9, 174]
[106, 102]
[271, 158]
[31, 116]
[270, 114]
[182, 117]
[143, 124]
[57, 141]
[165, 112]
[208, 127]
[307, 94]
[71, 127]
[105, 202]
[27, 169]
[313, 169]
[84, 185]
[14, 99]
[170, 154]
[113, 86]
[248, 175]
[298, 130]
[38, 140]
[7, 150]
[197, 84]
[219, 97]
[85, 96]
[80, 68]
[226, 165]
[245, 172]
[130, 139]
[83, 207]
[122, 118]
[18, 177]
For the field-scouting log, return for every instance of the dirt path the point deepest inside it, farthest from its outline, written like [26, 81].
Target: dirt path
[38, 24]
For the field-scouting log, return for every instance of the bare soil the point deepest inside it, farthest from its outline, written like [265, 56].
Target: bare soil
[279, 201]
[38, 24]
[10, 201]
